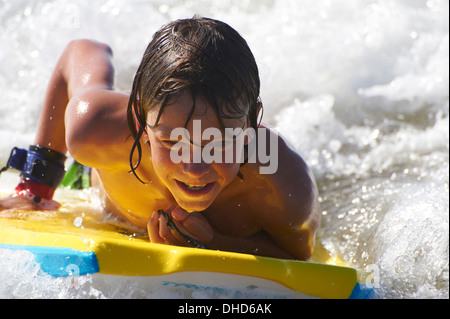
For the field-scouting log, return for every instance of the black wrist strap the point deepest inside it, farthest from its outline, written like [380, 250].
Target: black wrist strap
[39, 164]
[190, 240]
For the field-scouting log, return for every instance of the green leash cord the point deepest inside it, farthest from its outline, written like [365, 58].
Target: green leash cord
[77, 176]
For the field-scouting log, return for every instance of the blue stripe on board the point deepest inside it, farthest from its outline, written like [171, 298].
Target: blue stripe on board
[61, 261]
[363, 291]
[65, 262]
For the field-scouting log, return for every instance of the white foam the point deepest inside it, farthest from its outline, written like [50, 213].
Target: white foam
[410, 242]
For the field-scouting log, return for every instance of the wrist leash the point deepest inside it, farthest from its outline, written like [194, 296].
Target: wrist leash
[42, 170]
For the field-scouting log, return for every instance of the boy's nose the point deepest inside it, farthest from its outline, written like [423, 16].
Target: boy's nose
[196, 169]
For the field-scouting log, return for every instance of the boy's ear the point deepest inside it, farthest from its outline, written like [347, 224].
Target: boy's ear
[259, 113]
[259, 109]
[145, 137]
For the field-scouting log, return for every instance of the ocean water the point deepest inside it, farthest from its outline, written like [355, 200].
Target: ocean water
[359, 87]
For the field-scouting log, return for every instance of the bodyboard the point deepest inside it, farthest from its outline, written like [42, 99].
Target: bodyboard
[61, 243]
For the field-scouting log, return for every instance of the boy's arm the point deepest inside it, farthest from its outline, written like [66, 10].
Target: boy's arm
[298, 239]
[287, 238]
[293, 215]
[196, 226]
[260, 244]
[83, 65]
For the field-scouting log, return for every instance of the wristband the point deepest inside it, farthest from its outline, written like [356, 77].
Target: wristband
[38, 164]
[42, 170]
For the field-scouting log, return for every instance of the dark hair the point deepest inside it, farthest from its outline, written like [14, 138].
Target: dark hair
[204, 56]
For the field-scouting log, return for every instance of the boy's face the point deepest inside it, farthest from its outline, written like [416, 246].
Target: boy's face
[195, 181]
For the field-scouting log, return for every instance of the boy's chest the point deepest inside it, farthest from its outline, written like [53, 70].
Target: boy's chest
[231, 213]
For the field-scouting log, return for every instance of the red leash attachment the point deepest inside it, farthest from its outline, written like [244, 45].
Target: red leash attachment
[39, 193]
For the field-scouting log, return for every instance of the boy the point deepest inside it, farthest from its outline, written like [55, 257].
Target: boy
[196, 75]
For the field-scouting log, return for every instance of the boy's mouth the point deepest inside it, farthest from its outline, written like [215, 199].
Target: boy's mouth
[195, 189]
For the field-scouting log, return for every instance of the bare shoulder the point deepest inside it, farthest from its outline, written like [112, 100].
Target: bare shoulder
[97, 133]
[288, 197]
[284, 203]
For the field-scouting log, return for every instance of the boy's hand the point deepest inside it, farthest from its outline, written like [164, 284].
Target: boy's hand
[17, 202]
[193, 225]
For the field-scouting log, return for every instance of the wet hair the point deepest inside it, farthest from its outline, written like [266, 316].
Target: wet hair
[203, 56]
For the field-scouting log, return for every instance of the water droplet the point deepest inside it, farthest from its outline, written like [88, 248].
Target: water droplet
[78, 221]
